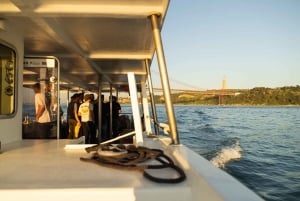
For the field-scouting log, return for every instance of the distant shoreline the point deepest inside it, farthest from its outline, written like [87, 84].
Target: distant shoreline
[236, 105]
[207, 105]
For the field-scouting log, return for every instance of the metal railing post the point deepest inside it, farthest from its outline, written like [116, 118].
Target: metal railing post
[151, 93]
[58, 99]
[164, 78]
[135, 108]
[145, 107]
[99, 110]
[110, 113]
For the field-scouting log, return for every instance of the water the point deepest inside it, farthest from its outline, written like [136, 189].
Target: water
[260, 146]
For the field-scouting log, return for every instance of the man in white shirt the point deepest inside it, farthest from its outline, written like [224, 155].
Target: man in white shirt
[42, 116]
[88, 120]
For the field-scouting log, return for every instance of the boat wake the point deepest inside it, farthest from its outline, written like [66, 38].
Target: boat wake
[227, 154]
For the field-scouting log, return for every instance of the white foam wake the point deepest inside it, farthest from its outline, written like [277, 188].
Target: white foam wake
[227, 154]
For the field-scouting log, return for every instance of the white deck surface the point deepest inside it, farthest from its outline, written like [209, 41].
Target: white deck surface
[44, 170]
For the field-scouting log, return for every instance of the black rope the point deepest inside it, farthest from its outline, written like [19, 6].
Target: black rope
[181, 175]
[133, 157]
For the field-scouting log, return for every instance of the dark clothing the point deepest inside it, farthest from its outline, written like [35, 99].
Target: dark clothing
[71, 107]
[89, 131]
[96, 117]
[72, 124]
[71, 119]
[116, 107]
[105, 130]
[105, 111]
[43, 130]
[105, 119]
[115, 127]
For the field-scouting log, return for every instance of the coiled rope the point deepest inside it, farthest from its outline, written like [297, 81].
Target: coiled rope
[130, 158]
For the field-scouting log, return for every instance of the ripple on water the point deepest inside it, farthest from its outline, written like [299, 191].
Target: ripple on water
[268, 157]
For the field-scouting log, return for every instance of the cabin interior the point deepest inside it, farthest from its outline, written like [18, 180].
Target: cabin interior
[94, 46]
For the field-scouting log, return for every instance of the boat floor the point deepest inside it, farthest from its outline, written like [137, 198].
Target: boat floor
[45, 170]
[45, 166]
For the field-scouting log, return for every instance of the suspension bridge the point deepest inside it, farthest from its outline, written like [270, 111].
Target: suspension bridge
[187, 88]
[224, 92]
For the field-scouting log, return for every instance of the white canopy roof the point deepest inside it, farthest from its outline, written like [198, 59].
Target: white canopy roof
[90, 37]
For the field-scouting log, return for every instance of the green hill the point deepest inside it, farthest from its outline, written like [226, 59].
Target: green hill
[255, 96]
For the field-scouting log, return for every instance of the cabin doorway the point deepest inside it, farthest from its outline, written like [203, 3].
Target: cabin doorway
[41, 108]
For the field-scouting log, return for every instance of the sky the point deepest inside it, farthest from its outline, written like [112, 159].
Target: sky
[253, 43]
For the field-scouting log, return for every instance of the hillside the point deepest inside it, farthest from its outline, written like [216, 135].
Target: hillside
[255, 96]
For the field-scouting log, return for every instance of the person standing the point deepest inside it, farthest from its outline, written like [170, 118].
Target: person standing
[42, 115]
[94, 102]
[73, 118]
[116, 110]
[105, 120]
[88, 120]
[80, 98]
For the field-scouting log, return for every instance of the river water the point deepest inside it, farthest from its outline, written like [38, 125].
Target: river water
[260, 146]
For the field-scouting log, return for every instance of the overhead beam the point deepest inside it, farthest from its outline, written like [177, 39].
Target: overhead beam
[7, 7]
[135, 9]
[93, 8]
[121, 55]
[117, 72]
[110, 55]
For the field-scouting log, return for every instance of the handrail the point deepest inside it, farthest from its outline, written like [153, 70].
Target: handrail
[164, 126]
[118, 138]
[125, 113]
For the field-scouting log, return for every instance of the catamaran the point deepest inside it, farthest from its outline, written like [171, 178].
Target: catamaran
[93, 45]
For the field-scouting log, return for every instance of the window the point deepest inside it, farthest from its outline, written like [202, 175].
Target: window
[7, 81]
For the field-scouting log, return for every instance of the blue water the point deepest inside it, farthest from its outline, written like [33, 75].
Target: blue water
[260, 146]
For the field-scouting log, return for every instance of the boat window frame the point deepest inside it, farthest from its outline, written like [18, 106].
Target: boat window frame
[15, 83]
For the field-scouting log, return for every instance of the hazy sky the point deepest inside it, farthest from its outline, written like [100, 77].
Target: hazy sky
[251, 43]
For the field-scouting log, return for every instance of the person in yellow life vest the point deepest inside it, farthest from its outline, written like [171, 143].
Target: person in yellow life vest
[88, 120]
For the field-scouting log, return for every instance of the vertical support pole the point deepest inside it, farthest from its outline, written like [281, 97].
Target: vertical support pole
[153, 107]
[117, 93]
[164, 78]
[110, 113]
[43, 76]
[99, 110]
[68, 97]
[135, 109]
[58, 99]
[147, 120]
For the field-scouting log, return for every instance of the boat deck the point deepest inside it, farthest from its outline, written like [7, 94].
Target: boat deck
[45, 170]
